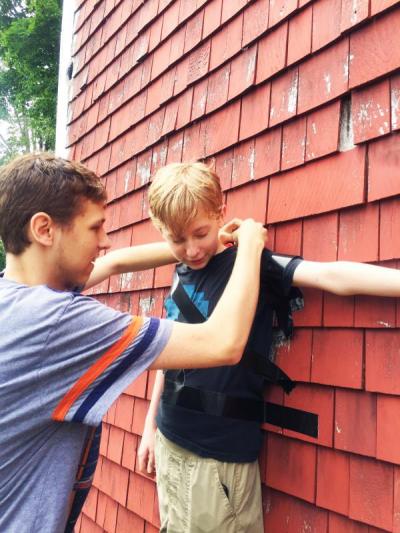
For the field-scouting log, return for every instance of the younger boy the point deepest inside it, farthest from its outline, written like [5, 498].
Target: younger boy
[206, 456]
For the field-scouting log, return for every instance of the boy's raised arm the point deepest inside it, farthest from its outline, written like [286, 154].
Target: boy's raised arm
[221, 339]
[346, 278]
[130, 259]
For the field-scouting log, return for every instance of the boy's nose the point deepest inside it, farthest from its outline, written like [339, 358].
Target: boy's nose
[192, 250]
[105, 242]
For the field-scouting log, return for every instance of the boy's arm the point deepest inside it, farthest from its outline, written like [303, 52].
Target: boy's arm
[221, 339]
[347, 278]
[129, 260]
[146, 449]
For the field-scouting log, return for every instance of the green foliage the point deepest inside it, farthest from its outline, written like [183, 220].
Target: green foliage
[2, 256]
[29, 50]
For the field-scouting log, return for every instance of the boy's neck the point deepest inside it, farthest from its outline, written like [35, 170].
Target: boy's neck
[29, 268]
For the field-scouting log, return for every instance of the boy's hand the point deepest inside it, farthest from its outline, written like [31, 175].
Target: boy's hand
[146, 457]
[237, 229]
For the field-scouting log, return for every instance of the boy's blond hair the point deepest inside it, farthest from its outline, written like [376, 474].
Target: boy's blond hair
[178, 191]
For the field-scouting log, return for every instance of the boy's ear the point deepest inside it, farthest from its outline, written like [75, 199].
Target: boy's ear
[42, 229]
[222, 215]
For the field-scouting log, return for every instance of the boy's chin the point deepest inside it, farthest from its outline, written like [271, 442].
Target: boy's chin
[197, 265]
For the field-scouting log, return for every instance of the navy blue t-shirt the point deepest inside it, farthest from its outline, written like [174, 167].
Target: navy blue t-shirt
[228, 439]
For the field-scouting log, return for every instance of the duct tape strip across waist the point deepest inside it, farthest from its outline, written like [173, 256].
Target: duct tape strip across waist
[219, 404]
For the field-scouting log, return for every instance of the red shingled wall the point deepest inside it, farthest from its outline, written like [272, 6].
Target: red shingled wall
[297, 102]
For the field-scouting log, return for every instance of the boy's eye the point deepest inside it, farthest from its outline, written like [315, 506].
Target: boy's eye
[201, 235]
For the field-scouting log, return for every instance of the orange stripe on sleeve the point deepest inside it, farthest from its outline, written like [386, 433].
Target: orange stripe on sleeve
[97, 369]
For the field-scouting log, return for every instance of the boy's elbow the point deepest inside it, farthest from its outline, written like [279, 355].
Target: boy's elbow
[344, 291]
[335, 280]
[231, 353]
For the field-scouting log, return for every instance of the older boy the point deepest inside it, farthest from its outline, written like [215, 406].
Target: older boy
[64, 357]
[205, 454]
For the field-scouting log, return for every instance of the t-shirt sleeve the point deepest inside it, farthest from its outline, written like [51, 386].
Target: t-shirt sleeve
[92, 354]
[277, 272]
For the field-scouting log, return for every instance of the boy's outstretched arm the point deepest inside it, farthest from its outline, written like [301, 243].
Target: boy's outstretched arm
[130, 260]
[221, 339]
[347, 278]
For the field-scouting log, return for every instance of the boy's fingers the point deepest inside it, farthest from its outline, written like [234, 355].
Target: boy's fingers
[226, 233]
[232, 225]
[231, 231]
[151, 464]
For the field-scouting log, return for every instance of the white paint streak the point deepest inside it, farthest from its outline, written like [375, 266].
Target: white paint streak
[364, 115]
[251, 68]
[127, 179]
[384, 324]
[328, 82]
[346, 67]
[292, 97]
[252, 160]
[337, 428]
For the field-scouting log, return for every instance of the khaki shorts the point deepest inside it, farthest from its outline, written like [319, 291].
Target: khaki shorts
[199, 494]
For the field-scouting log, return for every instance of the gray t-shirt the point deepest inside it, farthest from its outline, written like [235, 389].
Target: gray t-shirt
[64, 359]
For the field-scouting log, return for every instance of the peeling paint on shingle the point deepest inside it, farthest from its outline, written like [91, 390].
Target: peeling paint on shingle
[395, 105]
[201, 104]
[163, 153]
[146, 305]
[143, 171]
[126, 280]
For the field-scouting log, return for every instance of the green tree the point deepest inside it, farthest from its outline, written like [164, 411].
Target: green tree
[29, 51]
[2, 256]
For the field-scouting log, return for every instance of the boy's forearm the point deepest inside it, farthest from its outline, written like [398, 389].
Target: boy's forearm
[348, 278]
[130, 259]
[221, 339]
[155, 399]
